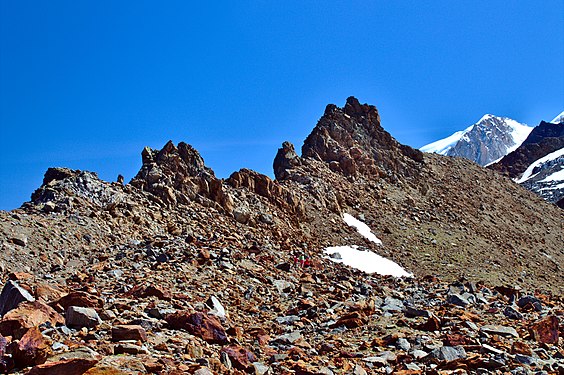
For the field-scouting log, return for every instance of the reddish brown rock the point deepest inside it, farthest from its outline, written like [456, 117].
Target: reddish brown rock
[432, 324]
[19, 276]
[142, 291]
[520, 347]
[155, 291]
[198, 324]
[105, 370]
[129, 332]
[6, 363]
[33, 349]
[79, 299]
[48, 293]
[456, 339]
[73, 366]
[241, 358]
[351, 320]
[28, 314]
[545, 331]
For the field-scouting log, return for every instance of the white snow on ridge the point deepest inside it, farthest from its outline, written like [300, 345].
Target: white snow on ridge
[529, 171]
[556, 176]
[558, 119]
[366, 261]
[519, 134]
[362, 228]
[442, 146]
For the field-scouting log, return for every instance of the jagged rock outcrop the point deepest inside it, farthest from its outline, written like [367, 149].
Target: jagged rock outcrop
[178, 175]
[63, 187]
[286, 158]
[262, 185]
[352, 141]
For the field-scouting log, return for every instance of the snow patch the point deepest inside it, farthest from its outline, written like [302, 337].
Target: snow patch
[365, 261]
[442, 146]
[556, 176]
[519, 133]
[555, 187]
[362, 228]
[529, 171]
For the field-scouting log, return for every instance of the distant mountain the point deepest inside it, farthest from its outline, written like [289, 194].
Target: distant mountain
[538, 164]
[484, 142]
[558, 119]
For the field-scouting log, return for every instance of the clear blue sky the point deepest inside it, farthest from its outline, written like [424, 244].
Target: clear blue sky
[88, 84]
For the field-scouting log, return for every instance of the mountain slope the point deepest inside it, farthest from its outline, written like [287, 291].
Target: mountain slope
[181, 272]
[435, 215]
[486, 141]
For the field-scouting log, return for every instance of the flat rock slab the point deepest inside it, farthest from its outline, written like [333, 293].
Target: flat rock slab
[82, 317]
[129, 332]
[500, 330]
[74, 366]
[449, 353]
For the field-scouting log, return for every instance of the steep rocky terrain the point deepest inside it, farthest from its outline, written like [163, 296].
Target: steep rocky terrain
[181, 272]
[536, 160]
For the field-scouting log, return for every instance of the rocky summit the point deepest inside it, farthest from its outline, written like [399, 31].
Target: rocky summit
[179, 271]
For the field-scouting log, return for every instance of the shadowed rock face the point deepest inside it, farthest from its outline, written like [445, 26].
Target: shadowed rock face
[285, 159]
[353, 142]
[543, 140]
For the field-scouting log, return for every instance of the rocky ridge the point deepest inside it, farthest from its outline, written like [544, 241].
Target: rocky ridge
[545, 139]
[179, 271]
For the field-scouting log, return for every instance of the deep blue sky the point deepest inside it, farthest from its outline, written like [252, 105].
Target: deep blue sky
[88, 84]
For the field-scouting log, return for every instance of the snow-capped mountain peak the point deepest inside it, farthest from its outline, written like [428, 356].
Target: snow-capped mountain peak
[484, 142]
[442, 146]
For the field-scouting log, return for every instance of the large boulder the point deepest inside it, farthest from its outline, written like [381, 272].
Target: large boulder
[12, 295]
[205, 326]
[27, 315]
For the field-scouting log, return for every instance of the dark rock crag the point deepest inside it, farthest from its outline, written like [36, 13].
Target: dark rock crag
[544, 139]
[286, 158]
[178, 175]
[352, 141]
